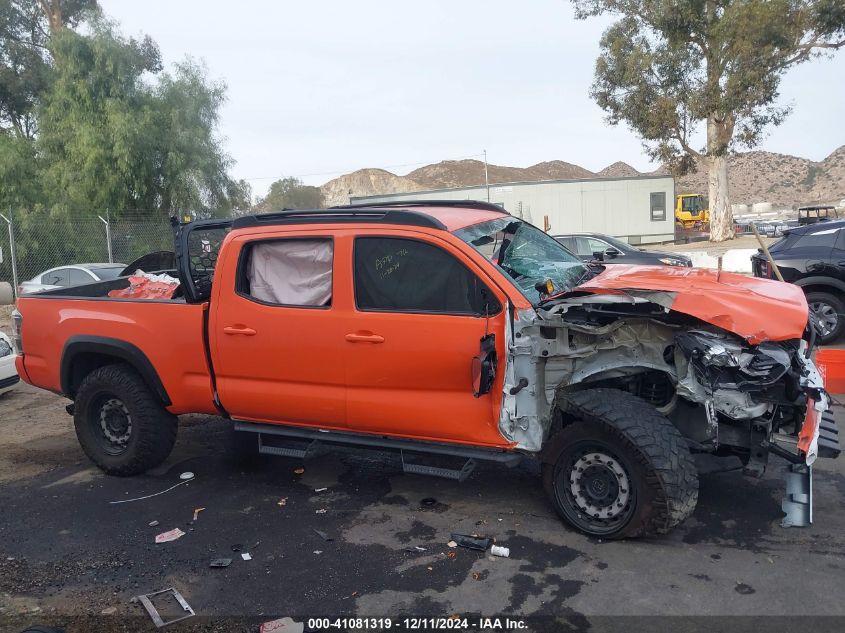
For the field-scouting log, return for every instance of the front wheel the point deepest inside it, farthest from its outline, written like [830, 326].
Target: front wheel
[618, 468]
[829, 312]
[121, 425]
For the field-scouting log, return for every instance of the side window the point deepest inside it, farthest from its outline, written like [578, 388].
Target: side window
[583, 248]
[287, 272]
[568, 243]
[78, 277]
[598, 245]
[658, 206]
[819, 239]
[400, 275]
[58, 277]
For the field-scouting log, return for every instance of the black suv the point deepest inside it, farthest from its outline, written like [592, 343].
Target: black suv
[813, 257]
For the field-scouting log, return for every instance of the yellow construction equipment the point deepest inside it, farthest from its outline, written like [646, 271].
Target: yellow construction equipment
[691, 209]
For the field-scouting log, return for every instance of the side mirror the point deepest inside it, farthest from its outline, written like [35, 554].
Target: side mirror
[612, 252]
[598, 256]
[483, 366]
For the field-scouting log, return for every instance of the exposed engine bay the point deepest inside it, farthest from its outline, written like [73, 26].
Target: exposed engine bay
[726, 395]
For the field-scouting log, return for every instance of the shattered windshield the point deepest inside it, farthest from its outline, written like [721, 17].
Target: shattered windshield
[525, 254]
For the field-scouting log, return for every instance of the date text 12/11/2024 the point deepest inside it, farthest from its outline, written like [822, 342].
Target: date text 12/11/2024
[454, 623]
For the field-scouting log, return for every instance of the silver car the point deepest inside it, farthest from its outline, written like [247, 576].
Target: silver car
[72, 275]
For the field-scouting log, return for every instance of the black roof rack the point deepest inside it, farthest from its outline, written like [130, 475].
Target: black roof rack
[465, 204]
[340, 214]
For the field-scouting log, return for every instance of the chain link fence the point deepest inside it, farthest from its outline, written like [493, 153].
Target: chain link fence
[32, 242]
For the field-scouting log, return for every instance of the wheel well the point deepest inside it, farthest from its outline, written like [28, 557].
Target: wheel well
[654, 386]
[83, 364]
[84, 354]
[822, 288]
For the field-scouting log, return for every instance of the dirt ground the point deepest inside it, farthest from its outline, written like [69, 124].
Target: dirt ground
[69, 556]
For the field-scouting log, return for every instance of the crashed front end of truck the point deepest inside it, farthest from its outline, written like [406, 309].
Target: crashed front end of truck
[728, 364]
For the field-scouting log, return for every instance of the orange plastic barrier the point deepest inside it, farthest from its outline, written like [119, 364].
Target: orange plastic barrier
[831, 364]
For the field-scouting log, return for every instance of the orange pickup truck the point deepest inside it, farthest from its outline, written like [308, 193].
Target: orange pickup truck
[447, 331]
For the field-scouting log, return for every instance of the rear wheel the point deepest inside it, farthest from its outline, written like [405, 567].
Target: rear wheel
[120, 424]
[829, 312]
[618, 468]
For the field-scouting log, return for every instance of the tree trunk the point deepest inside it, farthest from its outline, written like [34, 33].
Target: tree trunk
[721, 216]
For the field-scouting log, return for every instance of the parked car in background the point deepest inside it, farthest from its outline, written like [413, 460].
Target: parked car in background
[8, 373]
[612, 250]
[73, 275]
[812, 257]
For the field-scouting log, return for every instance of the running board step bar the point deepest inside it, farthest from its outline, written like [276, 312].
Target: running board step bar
[459, 474]
[307, 443]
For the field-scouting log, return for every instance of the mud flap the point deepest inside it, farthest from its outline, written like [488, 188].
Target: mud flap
[798, 500]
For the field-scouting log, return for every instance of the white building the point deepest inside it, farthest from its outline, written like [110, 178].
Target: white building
[638, 209]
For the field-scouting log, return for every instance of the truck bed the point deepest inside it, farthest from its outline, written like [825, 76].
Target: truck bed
[169, 333]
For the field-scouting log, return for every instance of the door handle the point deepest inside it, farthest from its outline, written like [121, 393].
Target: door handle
[361, 337]
[239, 329]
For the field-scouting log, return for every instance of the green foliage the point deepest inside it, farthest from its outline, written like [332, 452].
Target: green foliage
[290, 193]
[90, 122]
[666, 66]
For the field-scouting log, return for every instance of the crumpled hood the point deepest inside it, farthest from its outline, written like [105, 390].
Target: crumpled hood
[756, 309]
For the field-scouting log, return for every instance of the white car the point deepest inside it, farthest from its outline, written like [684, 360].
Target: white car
[71, 275]
[8, 374]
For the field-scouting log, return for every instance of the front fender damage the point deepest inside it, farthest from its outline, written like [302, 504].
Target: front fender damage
[723, 392]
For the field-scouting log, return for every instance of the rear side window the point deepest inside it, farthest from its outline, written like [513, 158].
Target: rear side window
[78, 277]
[57, 277]
[287, 272]
[819, 239]
[399, 275]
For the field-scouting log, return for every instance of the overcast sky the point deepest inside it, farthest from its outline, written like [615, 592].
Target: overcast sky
[321, 88]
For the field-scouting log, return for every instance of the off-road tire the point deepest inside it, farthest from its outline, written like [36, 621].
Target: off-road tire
[656, 459]
[152, 432]
[837, 305]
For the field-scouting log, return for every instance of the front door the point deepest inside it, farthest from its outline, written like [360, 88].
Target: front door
[276, 331]
[420, 312]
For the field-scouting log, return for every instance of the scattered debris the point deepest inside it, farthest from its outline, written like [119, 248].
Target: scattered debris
[282, 625]
[196, 512]
[246, 556]
[428, 502]
[452, 555]
[172, 535]
[318, 551]
[109, 611]
[452, 544]
[154, 614]
[415, 549]
[282, 502]
[153, 523]
[237, 547]
[320, 489]
[187, 476]
[471, 542]
[155, 494]
[323, 535]
[220, 562]
[321, 511]
[430, 568]
[299, 471]
[476, 575]
[503, 552]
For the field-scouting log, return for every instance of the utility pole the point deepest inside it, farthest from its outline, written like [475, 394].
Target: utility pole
[486, 180]
[12, 250]
[108, 234]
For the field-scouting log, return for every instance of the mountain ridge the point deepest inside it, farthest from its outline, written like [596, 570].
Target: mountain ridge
[755, 176]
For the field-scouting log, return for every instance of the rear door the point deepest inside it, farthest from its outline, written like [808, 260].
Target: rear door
[421, 310]
[276, 329]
